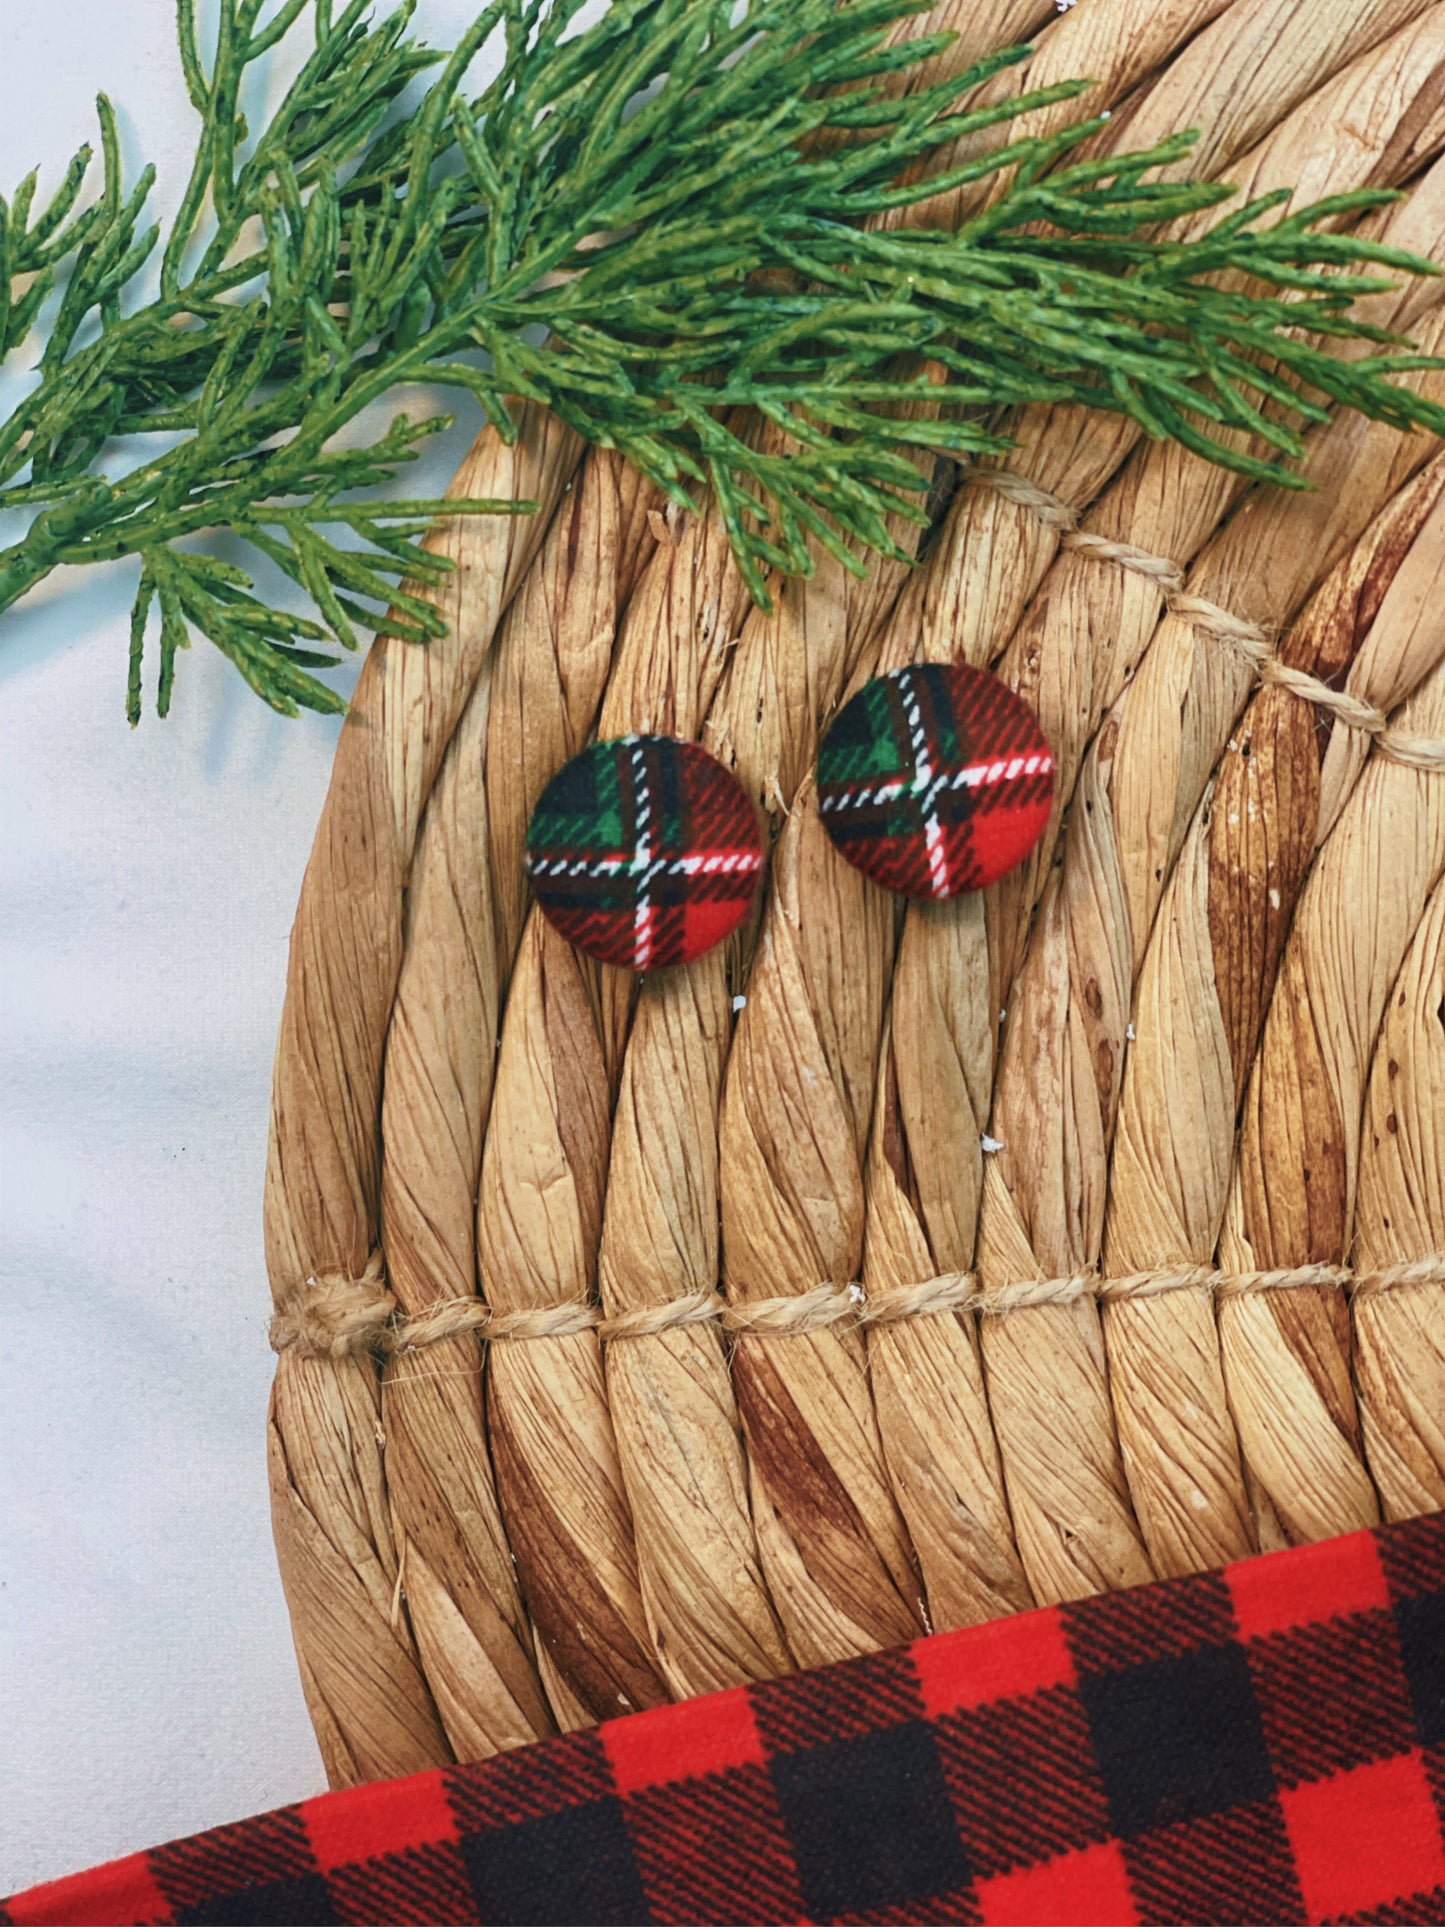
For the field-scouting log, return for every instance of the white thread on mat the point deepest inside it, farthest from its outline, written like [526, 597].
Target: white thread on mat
[334, 1316]
[1248, 639]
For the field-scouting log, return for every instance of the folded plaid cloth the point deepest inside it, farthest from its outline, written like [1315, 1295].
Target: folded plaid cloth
[1262, 1744]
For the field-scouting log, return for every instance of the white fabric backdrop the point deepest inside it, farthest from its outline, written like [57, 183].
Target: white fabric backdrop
[147, 884]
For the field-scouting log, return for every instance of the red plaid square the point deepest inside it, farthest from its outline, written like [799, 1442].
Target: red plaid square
[1000, 1661]
[1363, 1839]
[121, 1894]
[386, 1817]
[683, 1742]
[1085, 1889]
[1282, 1590]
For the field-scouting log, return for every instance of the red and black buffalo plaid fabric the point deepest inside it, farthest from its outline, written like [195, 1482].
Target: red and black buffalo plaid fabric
[1262, 1744]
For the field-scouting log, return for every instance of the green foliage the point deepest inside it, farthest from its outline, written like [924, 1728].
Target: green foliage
[646, 225]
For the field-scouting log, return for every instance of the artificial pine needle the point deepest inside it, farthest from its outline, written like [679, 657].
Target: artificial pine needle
[644, 224]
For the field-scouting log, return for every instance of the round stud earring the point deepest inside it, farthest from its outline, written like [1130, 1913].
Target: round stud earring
[935, 780]
[644, 852]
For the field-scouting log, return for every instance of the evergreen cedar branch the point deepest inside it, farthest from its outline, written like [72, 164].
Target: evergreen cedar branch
[442, 242]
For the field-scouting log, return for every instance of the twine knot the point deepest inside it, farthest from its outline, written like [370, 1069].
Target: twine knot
[334, 1315]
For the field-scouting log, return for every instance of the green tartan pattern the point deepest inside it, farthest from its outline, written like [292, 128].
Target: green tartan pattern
[644, 852]
[935, 780]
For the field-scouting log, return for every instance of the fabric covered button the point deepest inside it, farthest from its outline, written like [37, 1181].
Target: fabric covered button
[935, 780]
[644, 852]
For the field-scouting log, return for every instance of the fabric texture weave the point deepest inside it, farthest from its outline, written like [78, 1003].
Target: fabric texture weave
[644, 852]
[1264, 1744]
[935, 780]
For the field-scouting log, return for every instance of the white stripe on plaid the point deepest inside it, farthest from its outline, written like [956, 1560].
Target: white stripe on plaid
[605, 866]
[642, 864]
[970, 777]
[926, 788]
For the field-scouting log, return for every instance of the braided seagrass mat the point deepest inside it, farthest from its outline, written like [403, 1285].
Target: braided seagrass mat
[892, 1270]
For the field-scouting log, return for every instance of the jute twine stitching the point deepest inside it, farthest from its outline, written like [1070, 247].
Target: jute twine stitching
[1247, 639]
[338, 1317]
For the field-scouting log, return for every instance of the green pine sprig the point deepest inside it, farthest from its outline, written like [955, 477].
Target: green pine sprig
[646, 225]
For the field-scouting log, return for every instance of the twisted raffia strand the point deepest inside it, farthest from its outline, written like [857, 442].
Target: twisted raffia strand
[335, 1316]
[1246, 638]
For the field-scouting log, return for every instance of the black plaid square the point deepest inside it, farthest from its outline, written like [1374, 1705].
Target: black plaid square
[1024, 1780]
[1177, 1739]
[1233, 1866]
[571, 1867]
[275, 1903]
[686, 1836]
[1332, 1696]
[307, 1902]
[266, 1864]
[1420, 1623]
[871, 1823]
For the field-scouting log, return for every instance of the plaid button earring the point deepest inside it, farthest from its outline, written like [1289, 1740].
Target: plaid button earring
[935, 780]
[644, 852]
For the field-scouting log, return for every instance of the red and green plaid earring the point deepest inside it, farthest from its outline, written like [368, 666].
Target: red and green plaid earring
[935, 780]
[644, 852]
